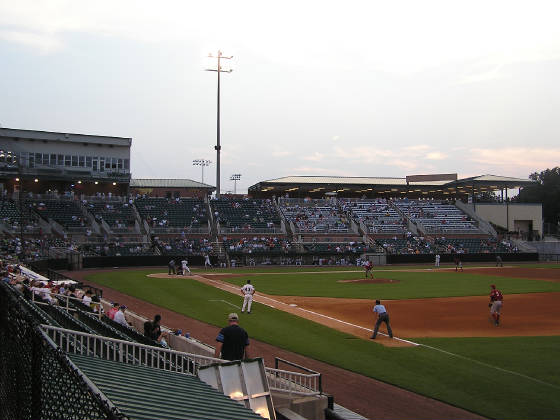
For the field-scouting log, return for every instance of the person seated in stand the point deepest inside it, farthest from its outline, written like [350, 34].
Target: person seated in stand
[86, 300]
[153, 330]
[120, 317]
[114, 309]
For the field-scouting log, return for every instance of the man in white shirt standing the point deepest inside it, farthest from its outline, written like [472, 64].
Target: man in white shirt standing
[382, 316]
[119, 316]
[247, 291]
[438, 257]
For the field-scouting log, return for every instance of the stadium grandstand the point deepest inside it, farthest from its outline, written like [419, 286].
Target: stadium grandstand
[70, 199]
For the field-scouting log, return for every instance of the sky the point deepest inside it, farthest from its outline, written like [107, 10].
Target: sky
[354, 88]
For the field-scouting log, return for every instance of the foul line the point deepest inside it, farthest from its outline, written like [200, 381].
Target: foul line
[490, 366]
[403, 340]
[225, 301]
[316, 313]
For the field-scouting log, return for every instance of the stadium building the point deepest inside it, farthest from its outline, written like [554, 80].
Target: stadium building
[39, 161]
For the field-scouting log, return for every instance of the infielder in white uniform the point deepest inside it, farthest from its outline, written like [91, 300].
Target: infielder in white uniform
[185, 267]
[247, 291]
[207, 262]
[438, 257]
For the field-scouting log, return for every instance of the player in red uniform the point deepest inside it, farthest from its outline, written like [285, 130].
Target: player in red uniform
[496, 301]
[368, 266]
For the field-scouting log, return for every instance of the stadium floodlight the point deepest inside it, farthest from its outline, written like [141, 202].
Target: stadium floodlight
[235, 178]
[202, 163]
[218, 147]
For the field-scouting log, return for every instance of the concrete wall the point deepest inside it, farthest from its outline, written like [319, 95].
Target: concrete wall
[517, 213]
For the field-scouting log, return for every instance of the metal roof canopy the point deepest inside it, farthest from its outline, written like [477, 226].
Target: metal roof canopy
[417, 183]
[168, 183]
[142, 392]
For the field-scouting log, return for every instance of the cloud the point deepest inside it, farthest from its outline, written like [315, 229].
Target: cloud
[313, 170]
[436, 156]
[45, 44]
[315, 157]
[485, 76]
[514, 159]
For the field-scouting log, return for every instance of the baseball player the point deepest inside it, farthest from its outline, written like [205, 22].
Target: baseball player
[207, 262]
[458, 263]
[495, 305]
[247, 291]
[438, 257]
[368, 266]
[185, 267]
[382, 316]
[499, 261]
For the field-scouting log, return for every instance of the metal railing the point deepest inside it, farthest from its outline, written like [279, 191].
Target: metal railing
[293, 382]
[127, 352]
[107, 348]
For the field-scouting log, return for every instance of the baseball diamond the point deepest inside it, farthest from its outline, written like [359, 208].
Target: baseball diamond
[420, 325]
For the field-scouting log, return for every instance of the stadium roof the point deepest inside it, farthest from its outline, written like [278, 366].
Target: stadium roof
[142, 392]
[168, 183]
[420, 185]
[16, 133]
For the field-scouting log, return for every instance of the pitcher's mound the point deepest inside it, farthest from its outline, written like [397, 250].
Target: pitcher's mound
[374, 281]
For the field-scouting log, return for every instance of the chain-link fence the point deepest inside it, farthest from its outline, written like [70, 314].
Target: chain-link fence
[37, 380]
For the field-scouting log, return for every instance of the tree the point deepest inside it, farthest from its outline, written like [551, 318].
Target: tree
[546, 191]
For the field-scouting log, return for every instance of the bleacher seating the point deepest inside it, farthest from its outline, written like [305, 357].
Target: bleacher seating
[407, 245]
[338, 248]
[437, 216]
[183, 213]
[257, 245]
[246, 215]
[119, 216]
[66, 212]
[317, 216]
[474, 245]
[10, 216]
[378, 216]
[184, 246]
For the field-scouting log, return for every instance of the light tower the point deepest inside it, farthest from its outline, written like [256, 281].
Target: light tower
[218, 147]
[202, 163]
[235, 178]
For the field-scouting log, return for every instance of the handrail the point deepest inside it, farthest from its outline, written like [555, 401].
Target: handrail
[123, 351]
[171, 360]
[314, 373]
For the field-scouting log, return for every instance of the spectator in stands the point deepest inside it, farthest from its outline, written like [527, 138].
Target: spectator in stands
[153, 330]
[120, 317]
[233, 341]
[86, 300]
[114, 309]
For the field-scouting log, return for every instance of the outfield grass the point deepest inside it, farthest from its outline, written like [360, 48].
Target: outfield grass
[425, 284]
[480, 388]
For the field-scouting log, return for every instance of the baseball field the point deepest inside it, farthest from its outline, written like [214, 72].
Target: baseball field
[445, 347]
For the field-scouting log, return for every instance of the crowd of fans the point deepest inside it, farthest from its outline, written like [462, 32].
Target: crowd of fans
[263, 244]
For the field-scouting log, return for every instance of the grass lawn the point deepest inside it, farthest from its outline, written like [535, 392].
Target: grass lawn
[410, 285]
[477, 387]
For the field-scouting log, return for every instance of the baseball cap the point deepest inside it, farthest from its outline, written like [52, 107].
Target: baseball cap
[493, 286]
[233, 317]
[123, 306]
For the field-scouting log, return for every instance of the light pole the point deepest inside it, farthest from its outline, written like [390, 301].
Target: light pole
[11, 158]
[202, 163]
[218, 147]
[235, 178]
